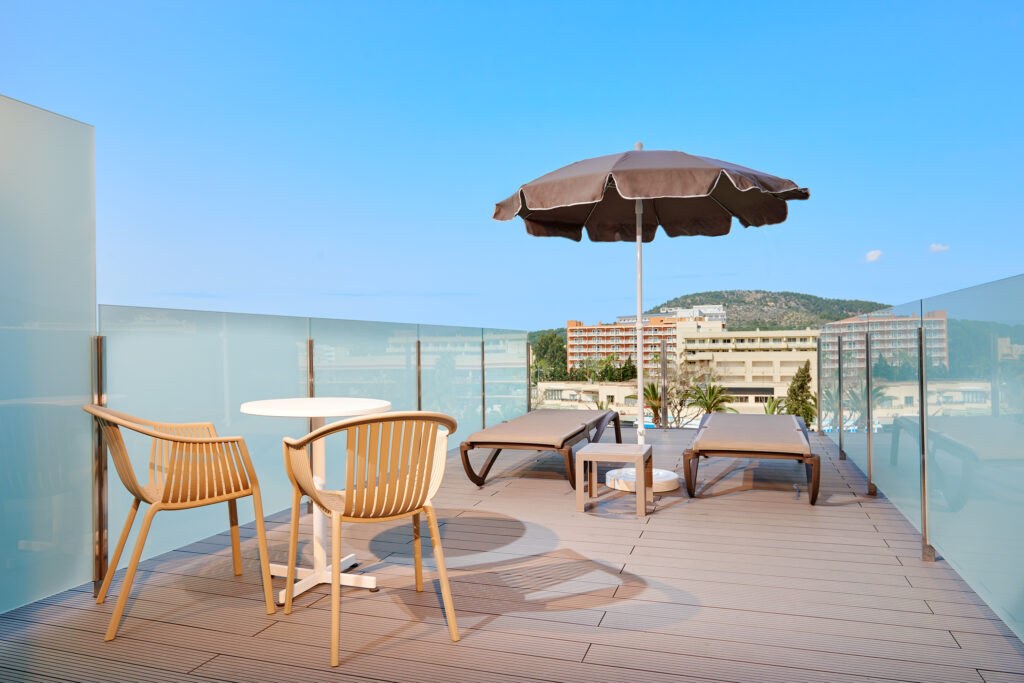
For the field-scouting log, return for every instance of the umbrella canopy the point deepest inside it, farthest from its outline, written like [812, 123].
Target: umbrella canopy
[685, 194]
[624, 197]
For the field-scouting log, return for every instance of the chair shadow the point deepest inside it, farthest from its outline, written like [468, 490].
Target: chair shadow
[547, 582]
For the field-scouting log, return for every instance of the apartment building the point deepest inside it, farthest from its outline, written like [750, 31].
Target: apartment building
[618, 339]
[893, 336]
[753, 366]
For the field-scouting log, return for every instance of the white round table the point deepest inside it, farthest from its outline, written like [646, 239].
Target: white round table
[317, 409]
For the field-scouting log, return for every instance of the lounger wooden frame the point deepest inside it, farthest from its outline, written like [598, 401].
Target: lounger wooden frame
[563, 447]
[189, 466]
[394, 464]
[811, 462]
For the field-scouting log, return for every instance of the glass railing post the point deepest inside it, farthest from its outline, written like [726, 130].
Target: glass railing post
[872, 490]
[820, 373]
[529, 381]
[664, 385]
[311, 392]
[839, 395]
[419, 376]
[483, 385]
[927, 551]
[99, 470]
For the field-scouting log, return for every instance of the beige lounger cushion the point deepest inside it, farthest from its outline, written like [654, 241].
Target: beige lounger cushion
[751, 433]
[540, 427]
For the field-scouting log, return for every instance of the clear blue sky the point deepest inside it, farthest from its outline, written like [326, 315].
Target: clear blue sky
[343, 159]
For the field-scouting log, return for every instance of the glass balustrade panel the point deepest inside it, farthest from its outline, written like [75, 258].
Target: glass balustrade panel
[365, 359]
[451, 359]
[974, 376]
[504, 374]
[854, 399]
[189, 366]
[896, 436]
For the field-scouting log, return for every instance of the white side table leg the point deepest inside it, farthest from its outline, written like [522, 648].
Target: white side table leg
[319, 519]
[321, 571]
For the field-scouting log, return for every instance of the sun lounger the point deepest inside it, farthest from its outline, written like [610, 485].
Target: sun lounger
[752, 436]
[540, 430]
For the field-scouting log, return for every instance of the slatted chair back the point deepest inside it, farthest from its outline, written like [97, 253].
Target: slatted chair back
[189, 464]
[394, 463]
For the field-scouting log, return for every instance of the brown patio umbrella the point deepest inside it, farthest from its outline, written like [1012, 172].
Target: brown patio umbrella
[623, 197]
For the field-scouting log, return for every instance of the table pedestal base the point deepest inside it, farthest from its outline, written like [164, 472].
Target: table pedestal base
[307, 578]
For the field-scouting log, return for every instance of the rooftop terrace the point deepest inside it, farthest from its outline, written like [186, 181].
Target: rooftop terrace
[745, 583]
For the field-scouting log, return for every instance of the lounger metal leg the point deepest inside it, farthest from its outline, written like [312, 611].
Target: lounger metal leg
[477, 479]
[812, 466]
[570, 464]
[691, 461]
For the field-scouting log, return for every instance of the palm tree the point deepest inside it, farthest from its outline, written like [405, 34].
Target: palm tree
[652, 400]
[774, 405]
[710, 398]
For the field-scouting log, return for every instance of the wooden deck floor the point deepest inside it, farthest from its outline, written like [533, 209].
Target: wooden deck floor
[745, 583]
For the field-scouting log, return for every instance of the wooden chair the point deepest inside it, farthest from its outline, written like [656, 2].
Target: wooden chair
[393, 467]
[189, 466]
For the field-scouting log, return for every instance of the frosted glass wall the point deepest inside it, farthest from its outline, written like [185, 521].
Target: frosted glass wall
[47, 317]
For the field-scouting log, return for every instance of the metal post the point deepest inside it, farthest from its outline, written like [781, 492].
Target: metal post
[529, 381]
[872, 490]
[483, 389]
[311, 392]
[639, 209]
[664, 385]
[817, 384]
[927, 551]
[993, 393]
[99, 470]
[419, 377]
[839, 394]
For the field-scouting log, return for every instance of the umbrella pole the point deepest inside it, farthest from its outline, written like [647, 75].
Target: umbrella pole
[639, 322]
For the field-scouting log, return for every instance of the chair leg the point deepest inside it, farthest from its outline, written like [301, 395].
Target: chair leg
[335, 585]
[442, 572]
[293, 550]
[417, 552]
[261, 541]
[236, 548]
[116, 557]
[129, 575]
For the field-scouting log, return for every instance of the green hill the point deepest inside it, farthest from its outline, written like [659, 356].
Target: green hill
[748, 309]
[532, 337]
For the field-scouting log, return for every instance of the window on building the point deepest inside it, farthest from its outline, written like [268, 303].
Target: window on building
[908, 400]
[630, 401]
[761, 399]
[553, 394]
